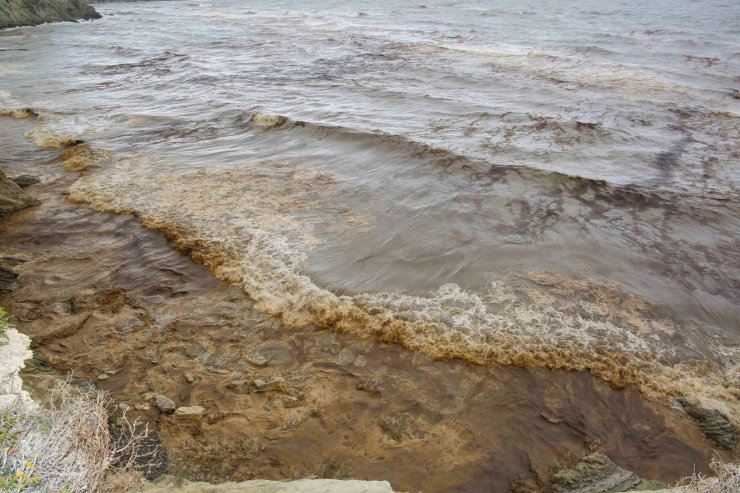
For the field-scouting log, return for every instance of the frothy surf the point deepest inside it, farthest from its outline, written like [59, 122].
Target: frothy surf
[530, 319]
[279, 212]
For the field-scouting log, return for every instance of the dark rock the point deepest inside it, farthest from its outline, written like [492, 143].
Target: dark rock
[714, 424]
[15, 13]
[164, 403]
[24, 181]
[12, 197]
[8, 280]
[594, 473]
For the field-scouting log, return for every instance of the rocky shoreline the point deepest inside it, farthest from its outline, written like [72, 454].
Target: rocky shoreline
[15, 13]
[593, 473]
[234, 395]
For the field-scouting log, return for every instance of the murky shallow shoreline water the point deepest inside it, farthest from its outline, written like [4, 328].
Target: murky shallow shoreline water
[534, 187]
[100, 293]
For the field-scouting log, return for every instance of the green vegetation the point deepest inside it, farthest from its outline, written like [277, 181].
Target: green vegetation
[4, 324]
[67, 446]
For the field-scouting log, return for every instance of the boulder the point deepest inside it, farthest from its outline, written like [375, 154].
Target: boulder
[164, 403]
[24, 181]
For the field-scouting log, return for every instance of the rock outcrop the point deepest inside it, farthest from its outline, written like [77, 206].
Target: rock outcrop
[15, 13]
[25, 180]
[14, 351]
[176, 485]
[12, 197]
[715, 425]
[8, 280]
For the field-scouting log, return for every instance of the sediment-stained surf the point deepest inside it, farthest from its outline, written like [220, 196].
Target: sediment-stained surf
[471, 181]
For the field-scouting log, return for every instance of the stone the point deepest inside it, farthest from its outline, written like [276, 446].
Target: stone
[12, 197]
[24, 181]
[262, 386]
[103, 376]
[189, 378]
[178, 485]
[15, 13]
[594, 473]
[256, 359]
[189, 411]
[713, 423]
[8, 280]
[360, 361]
[14, 351]
[164, 403]
[345, 356]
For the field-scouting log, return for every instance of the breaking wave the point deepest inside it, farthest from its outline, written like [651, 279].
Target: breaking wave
[528, 319]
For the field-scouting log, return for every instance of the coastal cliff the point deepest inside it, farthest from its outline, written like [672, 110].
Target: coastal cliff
[14, 13]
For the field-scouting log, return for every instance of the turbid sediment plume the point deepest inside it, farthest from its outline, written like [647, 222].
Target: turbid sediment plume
[409, 213]
[129, 315]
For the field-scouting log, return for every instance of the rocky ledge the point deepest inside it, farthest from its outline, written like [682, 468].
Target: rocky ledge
[172, 484]
[14, 351]
[14, 13]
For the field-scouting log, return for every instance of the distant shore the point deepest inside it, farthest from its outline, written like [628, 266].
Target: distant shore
[16, 13]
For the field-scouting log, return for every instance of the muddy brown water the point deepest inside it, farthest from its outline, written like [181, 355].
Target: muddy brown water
[101, 293]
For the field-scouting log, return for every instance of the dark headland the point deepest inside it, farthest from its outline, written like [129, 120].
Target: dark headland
[14, 13]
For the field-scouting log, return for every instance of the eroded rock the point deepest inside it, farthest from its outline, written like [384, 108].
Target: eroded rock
[713, 423]
[12, 197]
[24, 181]
[594, 473]
[8, 280]
[164, 403]
[190, 411]
[33, 12]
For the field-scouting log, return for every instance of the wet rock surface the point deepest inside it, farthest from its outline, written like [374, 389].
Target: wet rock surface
[24, 181]
[15, 13]
[171, 484]
[12, 197]
[594, 473]
[99, 293]
[714, 424]
[8, 280]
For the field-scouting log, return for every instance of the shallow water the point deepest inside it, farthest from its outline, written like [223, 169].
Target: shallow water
[100, 293]
[541, 186]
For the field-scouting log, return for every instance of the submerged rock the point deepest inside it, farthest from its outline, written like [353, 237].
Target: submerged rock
[190, 411]
[714, 424]
[12, 197]
[594, 473]
[172, 484]
[14, 351]
[8, 280]
[15, 13]
[24, 181]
